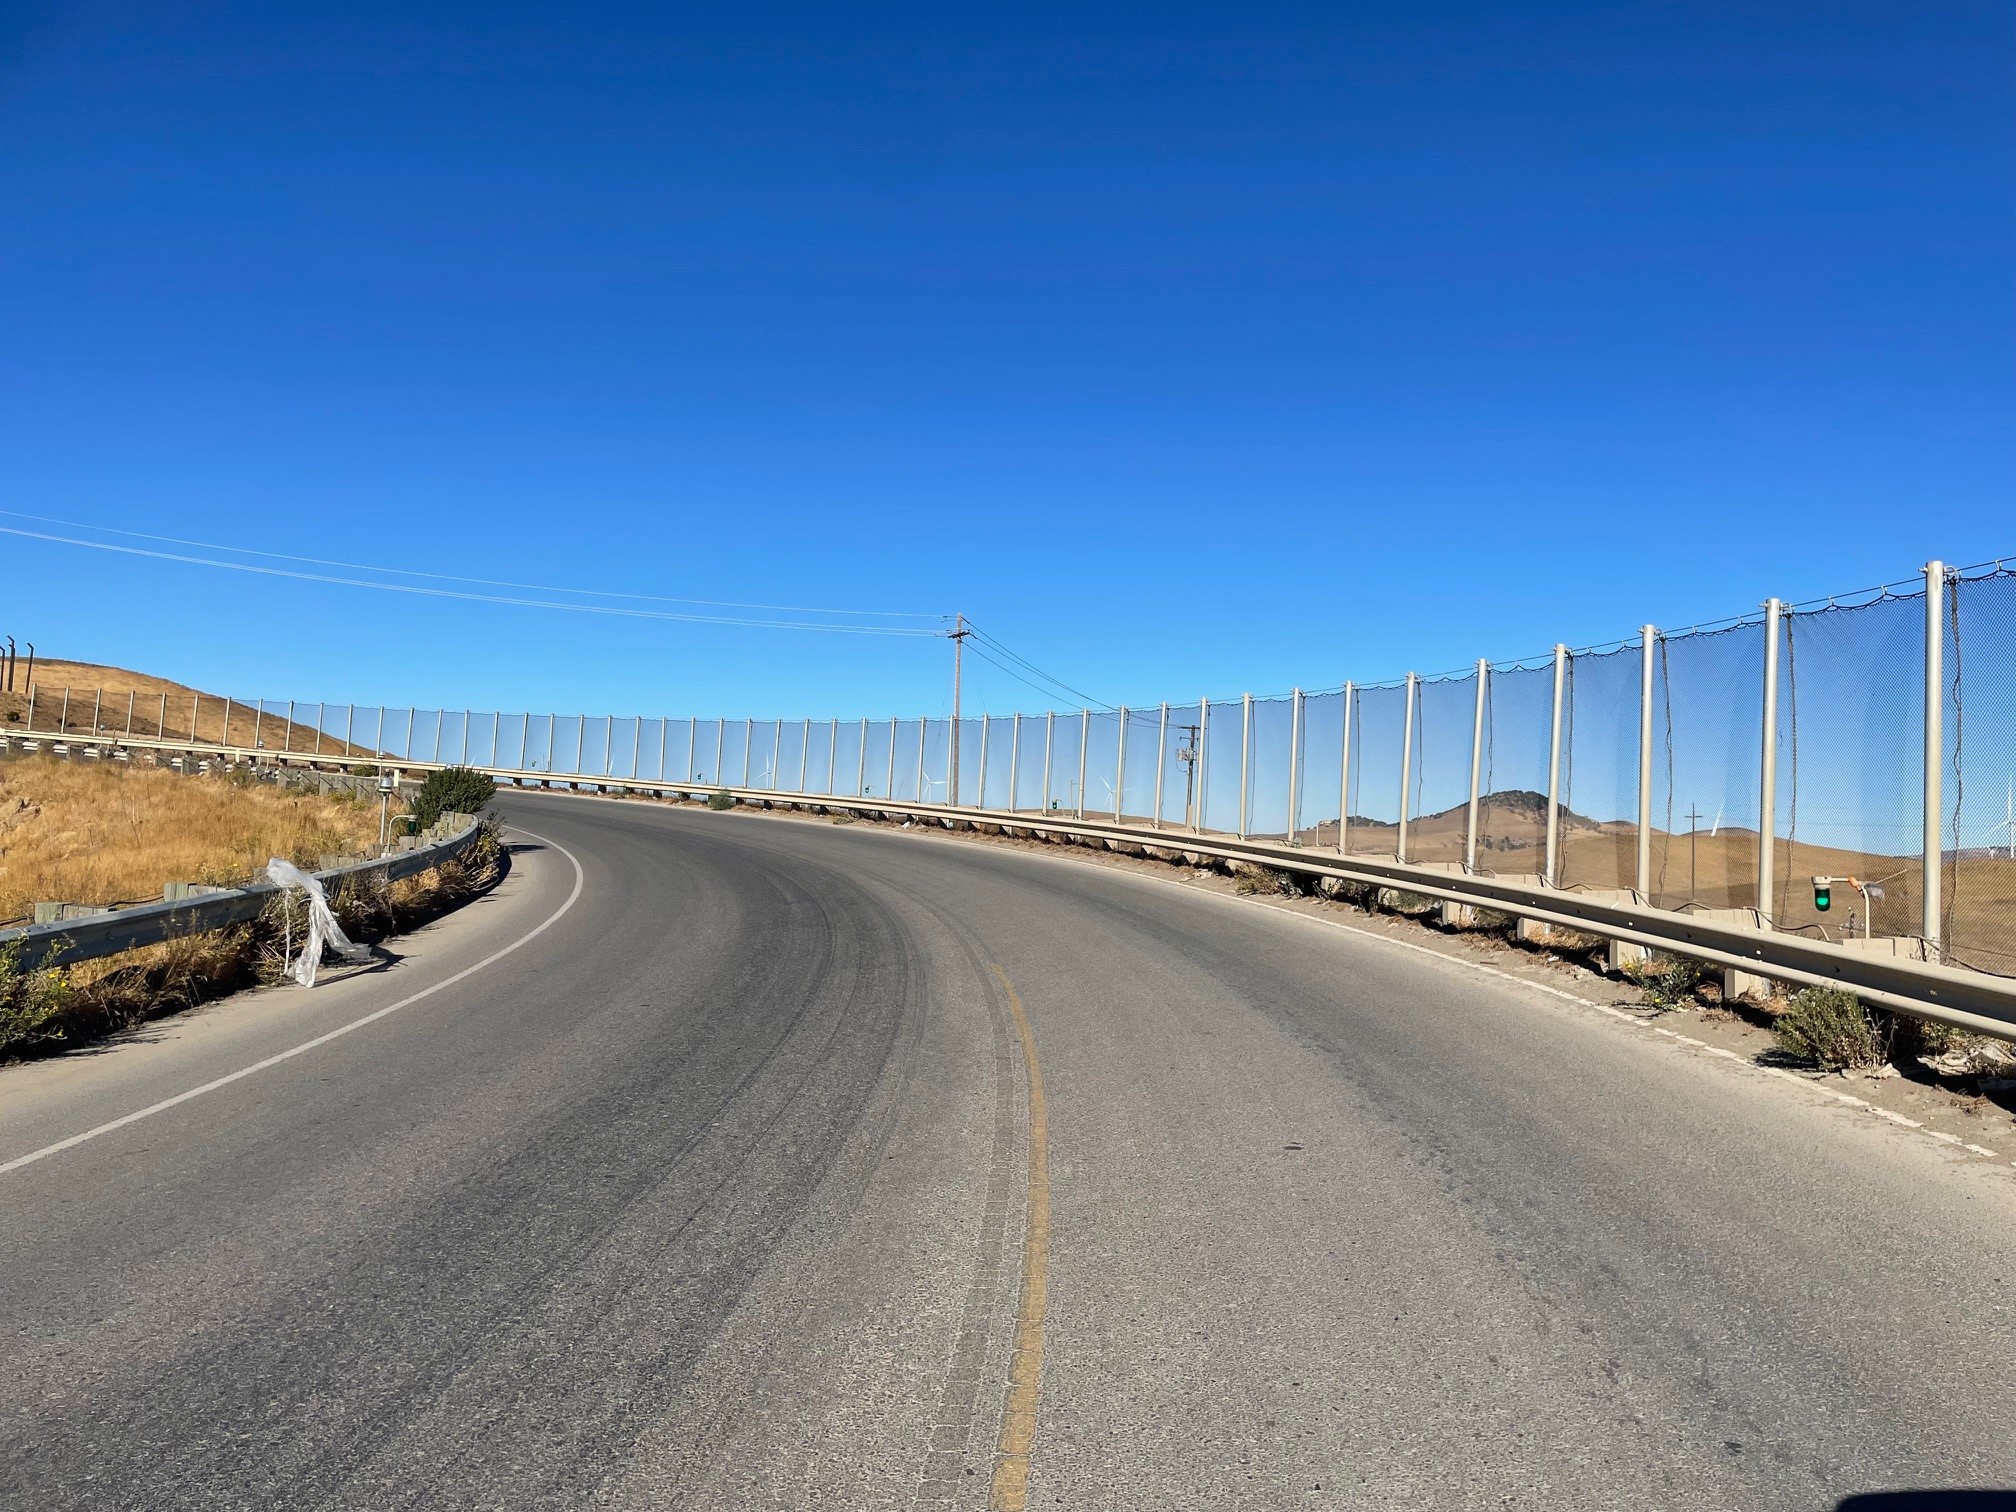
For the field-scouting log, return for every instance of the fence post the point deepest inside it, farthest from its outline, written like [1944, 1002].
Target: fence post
[1294, 764]
[1649, 638]
[1084, 749]
[406, 750]
[31, 708]
[1120, 767]
[63, 714]
[441, 729]
[321, 717]
[861, 763]
[776, 755]
[524, 738]
[1552, 874]
[748, 741]
[195, 705]
[98, 702]
[287, 736]
[1476, 766]
[1931, 924]
[377, 735]
[832, 753]
[1344, 768]
[1201, 765]
[258, 711]
[1406, 768]
[1767, 795]
[891, 793]
[1049, 743]
[980, 798]
[923, 729]
[467, 718]
[1161, 760]
[1014, 760]
[1245, 756]
[692, 736]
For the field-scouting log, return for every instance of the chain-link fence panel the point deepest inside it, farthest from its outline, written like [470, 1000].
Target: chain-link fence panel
[1599, 770]
[1221, 782]
[1852, 699]
[1027, 745]
[1101, 765]
[937, 761]
[997, 756]
[1706, 767]
[1267, 768]
[1320, 769]
[1137, 787]
[1378, 725]
[1445, 718]
[849, 758]
[1061, 779]
[1979, 838]
[1512, 808]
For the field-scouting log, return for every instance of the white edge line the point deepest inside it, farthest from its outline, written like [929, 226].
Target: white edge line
[321, 1039]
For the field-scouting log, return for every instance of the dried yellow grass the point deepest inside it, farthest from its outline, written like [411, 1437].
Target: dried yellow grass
[96, 832]
[115, 700]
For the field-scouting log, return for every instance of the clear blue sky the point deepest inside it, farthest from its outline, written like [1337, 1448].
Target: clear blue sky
[1187, 349]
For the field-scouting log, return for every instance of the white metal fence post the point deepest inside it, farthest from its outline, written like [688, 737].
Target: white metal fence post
[923, 730]
[258, 716]
[891, 793]
[1120, 766]
[832, 755]
[1245, 757]
[1406, 768]
[321, 718]
[1476, 766]
[636, 744]
[1649, 640]
[468, 717]
[131, 694]
[1931, 917]
[1767, 786]
[1294, 765]
[1553, 861]
[861, 763]
[524, 738]
[1344, 768]
[692, 738]
[1084, 749]
[776, 756]
[286, 735]
[980, 798]
[748, 754]
[1201, 765]
[1014, 762]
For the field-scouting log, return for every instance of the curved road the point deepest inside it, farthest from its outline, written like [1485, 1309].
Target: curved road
[717, 1191]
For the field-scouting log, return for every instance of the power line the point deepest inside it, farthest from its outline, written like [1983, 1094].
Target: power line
[449, 577]
[477, 598]
[1055, 681]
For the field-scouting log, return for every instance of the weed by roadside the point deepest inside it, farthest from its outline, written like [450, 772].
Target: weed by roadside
[1829, 1027]
[1668, 982]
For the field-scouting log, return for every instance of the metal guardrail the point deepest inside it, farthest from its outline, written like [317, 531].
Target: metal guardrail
[1979, 1002]
[73, 940]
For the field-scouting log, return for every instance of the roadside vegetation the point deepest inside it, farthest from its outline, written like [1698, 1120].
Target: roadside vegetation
[91, 833]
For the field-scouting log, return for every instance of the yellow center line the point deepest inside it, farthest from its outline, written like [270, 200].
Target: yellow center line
[1009, 1489]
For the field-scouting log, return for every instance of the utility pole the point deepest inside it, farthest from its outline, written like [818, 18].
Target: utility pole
[959, 632]
[1693, 821]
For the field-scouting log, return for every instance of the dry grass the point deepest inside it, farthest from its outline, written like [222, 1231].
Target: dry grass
[119, 700]
[100, 832]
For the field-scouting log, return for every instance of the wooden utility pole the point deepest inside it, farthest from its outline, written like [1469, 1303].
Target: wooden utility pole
[959, 632]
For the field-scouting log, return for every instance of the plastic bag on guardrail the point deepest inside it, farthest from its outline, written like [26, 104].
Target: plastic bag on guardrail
[322, 926]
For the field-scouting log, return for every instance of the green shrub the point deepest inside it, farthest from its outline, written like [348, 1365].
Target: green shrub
[1668, 982]
[32, 1003]
[1249, 878]
[722, 799]
[1831, 1028]
[452, 790]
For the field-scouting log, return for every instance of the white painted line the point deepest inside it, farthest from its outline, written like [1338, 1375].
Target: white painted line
[321, 1039]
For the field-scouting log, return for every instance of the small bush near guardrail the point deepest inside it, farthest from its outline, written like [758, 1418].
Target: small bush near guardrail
[1830, 1027]
[1668, 982]
[31, 1002]
[721, 800]
[453, 790]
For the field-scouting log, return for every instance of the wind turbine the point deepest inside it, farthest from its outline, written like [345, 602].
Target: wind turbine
[2008, 824]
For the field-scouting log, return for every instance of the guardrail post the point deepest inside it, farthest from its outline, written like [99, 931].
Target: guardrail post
[1084, 749]
[1014, 761]
[1648, 640]
[1245, 756]
[1049, 744]
[1406, 769]
[1294, 765]
[1552, 874]
[1767, 794]
[1931, 921]
[1202, 752]
[1476, 766]
[1120, 767]
[1161, 761]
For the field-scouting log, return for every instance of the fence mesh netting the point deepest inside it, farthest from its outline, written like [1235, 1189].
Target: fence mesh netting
[1850, 795]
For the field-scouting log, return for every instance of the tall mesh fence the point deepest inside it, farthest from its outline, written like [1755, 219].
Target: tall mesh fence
[1512, 777]
[1978, 839]
[1268, 768]
[1598, 820]
[1102, 764]
[1445, 716]
[1378, 730]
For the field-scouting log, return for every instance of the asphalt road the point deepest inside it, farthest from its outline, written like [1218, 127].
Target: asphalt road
[717, 1192]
